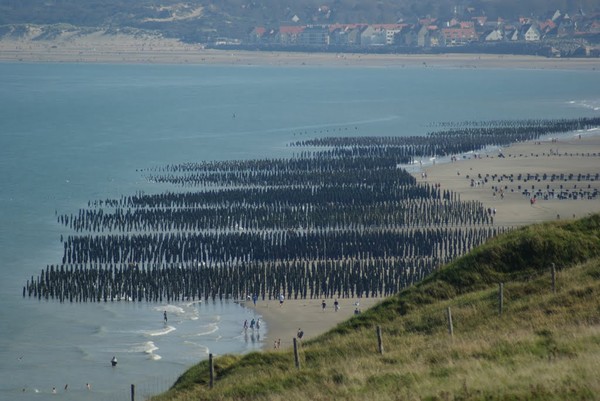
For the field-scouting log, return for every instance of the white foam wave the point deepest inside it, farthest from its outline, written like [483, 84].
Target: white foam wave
[162, 332]
[147, 348]
[586, 104]
[177, 310]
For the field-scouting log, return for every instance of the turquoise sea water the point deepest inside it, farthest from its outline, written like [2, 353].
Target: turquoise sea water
[74, 133]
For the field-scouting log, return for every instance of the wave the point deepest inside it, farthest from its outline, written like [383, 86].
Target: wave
[161, 332]
[586, 104]
[177, 310]
[147, 348]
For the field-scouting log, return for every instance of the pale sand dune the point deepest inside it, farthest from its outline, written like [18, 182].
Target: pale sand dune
[98, 47]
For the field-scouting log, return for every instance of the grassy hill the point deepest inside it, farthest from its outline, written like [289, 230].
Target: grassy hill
[544, 346]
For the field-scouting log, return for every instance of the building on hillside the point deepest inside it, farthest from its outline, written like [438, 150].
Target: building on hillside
[531, 33]
[373, 36]
[288, 35]
[345, 34]
[408, 36]
[423, 37]
[566, 27]
[314, 36]
[458, 36]
[256, 35]
[495, 35]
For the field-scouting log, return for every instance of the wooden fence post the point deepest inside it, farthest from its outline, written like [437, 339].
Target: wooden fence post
[553, 278]
[450, 326]
[379, 340]
[133, 392]
[500, 298]
[211, 369]
[296, 357]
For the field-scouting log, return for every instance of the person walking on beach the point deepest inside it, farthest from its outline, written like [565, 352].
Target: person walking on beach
[323, 305]
[254, 299]
[336, 305]
[245, 325]
[281, 299]
[252, 323]
[165, 316]
[300, 334]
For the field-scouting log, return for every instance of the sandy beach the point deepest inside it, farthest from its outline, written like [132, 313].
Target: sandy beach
[284, 321]
[473, 178]
[100, 47]
[569, 154]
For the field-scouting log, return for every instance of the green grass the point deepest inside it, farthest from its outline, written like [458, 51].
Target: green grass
[545, 346]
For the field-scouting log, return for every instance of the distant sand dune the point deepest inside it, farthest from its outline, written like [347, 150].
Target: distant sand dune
[144, 47]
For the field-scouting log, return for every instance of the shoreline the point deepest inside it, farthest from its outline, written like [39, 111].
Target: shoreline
[283, 322]
[568, 153]
[125, 49]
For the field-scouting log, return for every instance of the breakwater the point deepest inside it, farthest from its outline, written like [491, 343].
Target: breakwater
[340, 218]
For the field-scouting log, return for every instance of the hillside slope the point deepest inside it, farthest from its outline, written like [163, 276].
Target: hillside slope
[544, 346]
[197, 20]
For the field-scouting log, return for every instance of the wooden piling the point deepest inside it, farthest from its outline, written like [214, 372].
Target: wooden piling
[379, 340]
[450, 326]
[553, 278]
[296, 356]
[500, 298]
[211, 369]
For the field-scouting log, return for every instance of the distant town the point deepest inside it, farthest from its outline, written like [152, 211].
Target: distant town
[557, 35]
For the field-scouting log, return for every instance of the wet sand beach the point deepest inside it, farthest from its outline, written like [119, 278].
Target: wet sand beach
[573, 156]
[284, 321]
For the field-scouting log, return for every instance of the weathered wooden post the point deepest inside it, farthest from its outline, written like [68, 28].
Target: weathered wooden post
[379, 340]
[450, 327]
[500, 298]
[133, 392]
[553, 278]
[211, 369]
[296, 357]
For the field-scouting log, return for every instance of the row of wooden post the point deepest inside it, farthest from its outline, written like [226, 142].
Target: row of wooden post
[378, 331]
[500, 302]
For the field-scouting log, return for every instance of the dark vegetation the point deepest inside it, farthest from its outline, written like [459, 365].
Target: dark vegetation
[234, 18]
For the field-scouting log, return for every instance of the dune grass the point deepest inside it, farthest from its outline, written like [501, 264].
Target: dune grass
[544, 346]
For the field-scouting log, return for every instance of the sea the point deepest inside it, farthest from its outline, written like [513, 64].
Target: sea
[75, 133]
